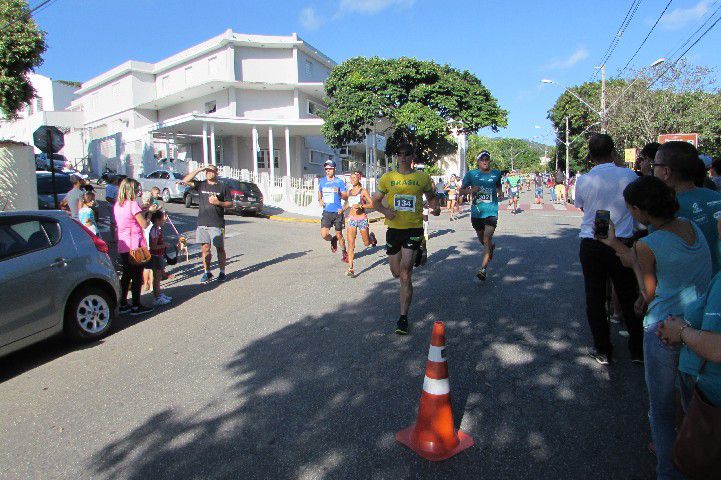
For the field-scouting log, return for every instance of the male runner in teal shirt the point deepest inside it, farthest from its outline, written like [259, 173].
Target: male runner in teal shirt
[484, 186]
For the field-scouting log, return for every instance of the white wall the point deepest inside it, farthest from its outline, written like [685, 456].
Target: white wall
[272, 65]
[62, 95]
[318, 71]
[111, 98]
[211, 66]
[197, 105]
[266, 104]
[18, 190]
[303, 105]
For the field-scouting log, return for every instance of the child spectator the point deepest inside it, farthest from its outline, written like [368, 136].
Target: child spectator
[86, 213]
[157, 252]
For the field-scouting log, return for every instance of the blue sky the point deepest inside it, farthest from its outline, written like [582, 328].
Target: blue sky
[509, 45]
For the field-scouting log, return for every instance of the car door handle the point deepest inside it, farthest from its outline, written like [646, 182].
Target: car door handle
[59, 263]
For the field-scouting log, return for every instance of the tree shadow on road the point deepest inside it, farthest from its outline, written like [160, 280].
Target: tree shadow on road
[323, 397]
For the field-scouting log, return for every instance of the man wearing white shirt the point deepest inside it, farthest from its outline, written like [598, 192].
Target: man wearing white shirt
[602, 189]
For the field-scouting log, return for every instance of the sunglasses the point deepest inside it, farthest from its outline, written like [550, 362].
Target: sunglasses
[654, 164]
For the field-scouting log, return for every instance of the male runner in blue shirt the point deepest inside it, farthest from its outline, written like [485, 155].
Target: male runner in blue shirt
[331, 193]
[484, 186]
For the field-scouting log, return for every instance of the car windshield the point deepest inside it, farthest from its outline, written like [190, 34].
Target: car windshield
[251, 188]
[45, 184]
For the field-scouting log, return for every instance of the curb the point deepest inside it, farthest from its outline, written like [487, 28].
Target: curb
[278, 218]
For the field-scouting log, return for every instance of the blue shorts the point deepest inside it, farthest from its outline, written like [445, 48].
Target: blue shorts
[539, 192]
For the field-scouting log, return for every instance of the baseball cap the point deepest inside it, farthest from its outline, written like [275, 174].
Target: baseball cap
[329, 163]
[484, 153]
[707, 160]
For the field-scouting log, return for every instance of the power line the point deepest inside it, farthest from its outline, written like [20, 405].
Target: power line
[29, 14]
[646, 39]
[630, 13]
[690, 46]
[708, 19]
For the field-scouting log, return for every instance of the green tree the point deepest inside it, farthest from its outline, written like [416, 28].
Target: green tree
[685, 99]
[526, 155]
[21, 47]
[406, 100]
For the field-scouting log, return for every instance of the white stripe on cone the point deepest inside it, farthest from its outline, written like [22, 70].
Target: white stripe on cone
[436, 387]
[436, 354]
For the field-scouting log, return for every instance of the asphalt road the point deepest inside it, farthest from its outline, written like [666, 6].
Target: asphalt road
[291, 370]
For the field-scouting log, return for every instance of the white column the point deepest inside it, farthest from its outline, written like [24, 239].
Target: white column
[255, 151]
[271, 156]
[287, 151]
[374, 171]
[205, 144]
[213, 160]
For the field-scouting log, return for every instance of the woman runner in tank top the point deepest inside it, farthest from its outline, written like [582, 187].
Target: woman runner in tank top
[358, 199]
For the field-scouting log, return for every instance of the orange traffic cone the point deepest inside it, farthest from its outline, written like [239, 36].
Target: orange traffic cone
[433, 436]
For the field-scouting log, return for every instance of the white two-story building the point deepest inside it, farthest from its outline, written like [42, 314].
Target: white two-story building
[247, 102]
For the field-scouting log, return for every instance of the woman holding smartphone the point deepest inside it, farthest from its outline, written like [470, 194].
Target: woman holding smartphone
[673, 268]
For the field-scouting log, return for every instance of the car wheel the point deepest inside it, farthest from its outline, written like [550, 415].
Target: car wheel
[188, 201]
[166, 196]
[89, 314]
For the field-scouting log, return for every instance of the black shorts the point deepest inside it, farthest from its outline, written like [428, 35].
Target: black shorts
[397, 238]
[479, 224]
[330, 219]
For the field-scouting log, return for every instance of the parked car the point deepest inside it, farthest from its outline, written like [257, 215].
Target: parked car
[45, 188]
[55, 276]
[166, 181]
[42, 163]
[246, 196]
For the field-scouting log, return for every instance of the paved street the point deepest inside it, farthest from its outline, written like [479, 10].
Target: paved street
[291, 370]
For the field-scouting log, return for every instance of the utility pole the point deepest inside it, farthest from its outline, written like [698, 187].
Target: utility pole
[568, 149]
[604, 126]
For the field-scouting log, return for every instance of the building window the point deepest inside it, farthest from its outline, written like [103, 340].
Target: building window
[318, 158]
[315, 108]
[308, 68]
[39, 104]
[116, 90]
[188, 75]
[211, 106]
[165, 84]
[263, 158]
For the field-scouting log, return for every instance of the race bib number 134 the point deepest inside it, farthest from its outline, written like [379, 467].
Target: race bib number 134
[404, 203]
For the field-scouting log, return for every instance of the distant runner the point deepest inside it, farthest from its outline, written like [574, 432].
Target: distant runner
[484, 186]
[331, 193]
[514, 181]
[403, 191]
[358, 199]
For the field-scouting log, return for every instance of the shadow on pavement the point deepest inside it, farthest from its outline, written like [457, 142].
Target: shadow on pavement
[323, 397]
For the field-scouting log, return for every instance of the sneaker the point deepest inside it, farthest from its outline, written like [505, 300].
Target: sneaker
[170, 299]
[601, 358]
[637, 359]
[345, 257]
[373, 239]
[160, 301]
[207, 276]
[402, 326]
[124, 308]
[141, 310]
[221, 277]
[334, 244]
[615, 318]
[481, 274]
[350, 273]
[623, 333]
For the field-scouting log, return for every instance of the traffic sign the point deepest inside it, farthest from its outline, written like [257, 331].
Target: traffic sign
[691, 138]
[49, 139]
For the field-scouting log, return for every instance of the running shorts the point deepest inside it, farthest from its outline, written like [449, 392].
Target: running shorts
[361, 223]
[479, 224]
[397, 238]
[211, 235]
[333, 219]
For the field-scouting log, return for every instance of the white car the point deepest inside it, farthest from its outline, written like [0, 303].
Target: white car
[166, 181]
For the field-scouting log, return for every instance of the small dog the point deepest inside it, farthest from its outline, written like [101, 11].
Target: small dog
[183, 247]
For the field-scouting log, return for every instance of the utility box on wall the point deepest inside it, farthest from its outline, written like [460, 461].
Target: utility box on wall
[18, 187]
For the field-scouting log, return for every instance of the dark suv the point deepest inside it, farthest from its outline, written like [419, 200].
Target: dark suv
[246, 196]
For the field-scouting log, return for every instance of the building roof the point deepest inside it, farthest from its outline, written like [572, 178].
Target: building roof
[226, 38]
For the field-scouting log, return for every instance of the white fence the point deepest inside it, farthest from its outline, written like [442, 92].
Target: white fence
[293, 194]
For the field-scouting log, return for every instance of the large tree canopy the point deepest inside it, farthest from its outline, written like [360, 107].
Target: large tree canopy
[523, 155]
[21, 49]
[406, 100]
[684, 100]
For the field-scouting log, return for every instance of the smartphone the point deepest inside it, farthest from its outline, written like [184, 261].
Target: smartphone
[601, 223]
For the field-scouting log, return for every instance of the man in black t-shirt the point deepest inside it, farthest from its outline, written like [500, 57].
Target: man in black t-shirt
[213, 198]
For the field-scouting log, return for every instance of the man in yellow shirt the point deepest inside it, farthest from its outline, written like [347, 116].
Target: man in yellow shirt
[403, 192]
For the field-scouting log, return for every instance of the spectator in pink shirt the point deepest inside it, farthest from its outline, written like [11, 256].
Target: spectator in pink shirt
[130, 222]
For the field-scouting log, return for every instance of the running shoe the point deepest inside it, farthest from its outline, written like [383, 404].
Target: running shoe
[350, 273]
[373, 239]
[345, 257]
[402, 326]
[207, 276]
[141, 310]
[334, 244]
[124, 308]
[481, 274]
[221, 277]
[170, 299]
[616, 319]
[160, 301]
[600, 357]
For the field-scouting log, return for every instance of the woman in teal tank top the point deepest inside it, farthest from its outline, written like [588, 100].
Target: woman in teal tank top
[673, 266]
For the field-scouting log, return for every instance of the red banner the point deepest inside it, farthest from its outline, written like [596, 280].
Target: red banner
[691, 138]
